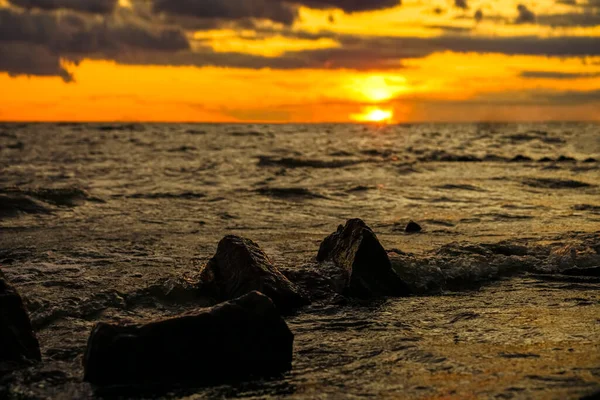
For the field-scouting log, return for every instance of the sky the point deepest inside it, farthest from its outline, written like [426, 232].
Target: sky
[279, 61]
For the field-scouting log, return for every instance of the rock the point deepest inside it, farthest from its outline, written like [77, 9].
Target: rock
[239, 339]
[18, 343]
[239, 267]
[413, 227]
[367, 271]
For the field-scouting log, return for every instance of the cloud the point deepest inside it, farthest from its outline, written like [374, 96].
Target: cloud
[71, 34]
[461, 4]
[282, 11]
[349, 6]
[525, 15]
[23, 59]
[90, 6]
[51, 37]
[558, 75]
[130, 37]
[569, 19]
[273, 10]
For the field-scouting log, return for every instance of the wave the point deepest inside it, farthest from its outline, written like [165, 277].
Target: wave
[555, 183]
[289, 193]
[166, 195]
[299, 162]
[14, 201]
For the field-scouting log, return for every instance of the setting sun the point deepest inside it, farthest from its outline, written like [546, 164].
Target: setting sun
[374, 114]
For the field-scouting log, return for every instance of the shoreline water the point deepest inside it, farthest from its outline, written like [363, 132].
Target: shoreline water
[144, 205]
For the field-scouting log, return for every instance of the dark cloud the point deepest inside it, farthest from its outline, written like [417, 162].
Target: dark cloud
[525, 15]
[558, 75]
[274, 10]
[461, 4]
[532, 97]
[349, 6]
[381, 53]
[22, 59]
[72, 34]
[137, 38]
[38, 40]
[90, 6]
[575, 97]
[569, 19]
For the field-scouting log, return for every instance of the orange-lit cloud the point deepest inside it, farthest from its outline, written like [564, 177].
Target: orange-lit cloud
[304, 60]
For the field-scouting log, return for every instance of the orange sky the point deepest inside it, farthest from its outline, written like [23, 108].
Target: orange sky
[413, 62]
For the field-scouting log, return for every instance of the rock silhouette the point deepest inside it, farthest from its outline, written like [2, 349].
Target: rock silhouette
[239, 267]
[18, 343]
[239, 339]
[364, 263]
[413, 227]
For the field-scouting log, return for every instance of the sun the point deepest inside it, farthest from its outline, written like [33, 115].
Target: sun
[374, 114]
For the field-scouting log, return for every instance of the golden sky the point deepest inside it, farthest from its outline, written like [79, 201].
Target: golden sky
[299, 61]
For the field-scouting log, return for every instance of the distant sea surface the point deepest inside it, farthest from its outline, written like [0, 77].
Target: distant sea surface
[90, 213]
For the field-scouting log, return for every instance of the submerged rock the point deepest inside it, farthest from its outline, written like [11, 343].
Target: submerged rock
[18, 343]
[413, 227]
[366, 268]
[239, 267]
[242, 338]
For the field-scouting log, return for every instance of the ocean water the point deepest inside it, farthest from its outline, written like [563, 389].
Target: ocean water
[92, 214]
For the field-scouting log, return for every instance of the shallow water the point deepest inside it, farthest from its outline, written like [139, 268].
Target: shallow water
[125, 205]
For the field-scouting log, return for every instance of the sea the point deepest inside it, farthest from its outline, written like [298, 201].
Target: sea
[504, 271]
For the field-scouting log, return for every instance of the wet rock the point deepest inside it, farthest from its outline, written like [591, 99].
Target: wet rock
[413, 227]
[18, 343]
[364, 263]
[239, 339]
[239, 267]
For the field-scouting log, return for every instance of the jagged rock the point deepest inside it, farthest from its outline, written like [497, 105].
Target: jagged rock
[367, 271]
[239, 339]
[413, 227]
[239, 267]
[18, 343]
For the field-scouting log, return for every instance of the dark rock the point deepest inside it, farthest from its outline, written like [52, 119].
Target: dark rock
[413, 227]
[239, 267]
[367, 271]
[239, 339]
[18, 343]
[590, 160]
